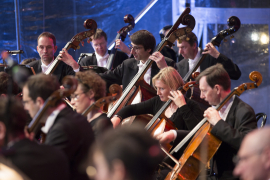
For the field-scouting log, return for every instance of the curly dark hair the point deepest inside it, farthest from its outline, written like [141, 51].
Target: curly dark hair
[91, 80]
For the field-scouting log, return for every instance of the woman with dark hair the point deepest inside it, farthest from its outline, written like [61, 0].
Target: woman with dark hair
[90, 88]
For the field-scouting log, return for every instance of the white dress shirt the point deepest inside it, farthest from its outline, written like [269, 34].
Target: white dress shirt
[44, 67]
[193, 62]
[102, 60]
[50, 120]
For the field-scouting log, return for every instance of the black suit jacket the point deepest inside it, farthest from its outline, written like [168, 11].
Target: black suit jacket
[72, 133]
[92, 60]
[60, 72]
[37, 161]
[241, 120]
[125, 72]
[232, 69]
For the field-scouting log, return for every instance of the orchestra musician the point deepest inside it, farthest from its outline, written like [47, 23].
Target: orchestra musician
[183, 112]
[64, 128]
[46, 48]
[189, 49]
[90, 88]
[37, 161]
[143, 44]
[101, 54]
[230, 124]
[126, 153]
[253, 158]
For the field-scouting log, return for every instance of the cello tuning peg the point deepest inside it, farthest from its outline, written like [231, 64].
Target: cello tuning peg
[232, 36]
[82, 43]
[187, 38]
[78, 47]
[225, 40]
[179, 40]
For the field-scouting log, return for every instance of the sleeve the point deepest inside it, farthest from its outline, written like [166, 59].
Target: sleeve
[146, 107]
[83, 61]
[69, 70]
[233, 136]
[114, 76]
[170, 62]
[191, 113]
[232, 69]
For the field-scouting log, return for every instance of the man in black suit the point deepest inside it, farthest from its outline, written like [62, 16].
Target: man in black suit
[36, 161]
[65, 129]
[46, 48]
[230, 124]
[101, 54]
[188, 48]
[143, 44]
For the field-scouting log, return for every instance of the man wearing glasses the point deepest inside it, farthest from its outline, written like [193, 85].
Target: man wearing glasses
[65, 129]
[142, 47]
[253, 160]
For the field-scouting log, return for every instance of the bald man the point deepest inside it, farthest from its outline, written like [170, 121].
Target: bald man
[253, 158]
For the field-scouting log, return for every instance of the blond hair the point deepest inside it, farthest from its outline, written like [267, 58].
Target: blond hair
[170, 77]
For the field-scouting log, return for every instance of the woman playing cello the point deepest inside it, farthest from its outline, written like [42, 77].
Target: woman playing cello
[183, 112]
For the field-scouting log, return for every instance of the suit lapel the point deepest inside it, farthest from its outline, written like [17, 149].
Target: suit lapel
[231, 115]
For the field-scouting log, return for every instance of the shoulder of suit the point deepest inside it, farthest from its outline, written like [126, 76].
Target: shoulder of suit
[34, 63]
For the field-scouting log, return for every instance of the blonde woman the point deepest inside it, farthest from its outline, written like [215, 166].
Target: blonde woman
[183, 112]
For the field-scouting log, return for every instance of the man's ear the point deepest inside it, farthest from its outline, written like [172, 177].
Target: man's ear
[2, 131]
[39, 102]
[149, 50]
[55, 48]
[218, 88]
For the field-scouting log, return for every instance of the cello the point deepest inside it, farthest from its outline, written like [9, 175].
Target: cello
[75, 42]
[120, 35]
[138, 83]
[191, 162]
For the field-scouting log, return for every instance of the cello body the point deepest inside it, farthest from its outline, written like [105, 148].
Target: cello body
[203, 141]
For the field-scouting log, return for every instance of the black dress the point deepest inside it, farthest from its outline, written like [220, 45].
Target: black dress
[101, 124]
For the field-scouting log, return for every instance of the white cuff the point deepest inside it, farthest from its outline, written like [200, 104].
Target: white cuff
[174, 133]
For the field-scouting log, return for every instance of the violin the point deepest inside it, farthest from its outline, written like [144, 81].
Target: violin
[189, 165]
[121, 35]
[114, 89]
[138, 82]
[70, 83]
[75, 42]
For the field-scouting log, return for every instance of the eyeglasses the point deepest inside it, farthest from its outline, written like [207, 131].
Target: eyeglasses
[76, 96]
[136, 48]
[238, 159]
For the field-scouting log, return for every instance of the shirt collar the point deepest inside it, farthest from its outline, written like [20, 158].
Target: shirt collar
[105, 57]
[51, 118]
[196, 59]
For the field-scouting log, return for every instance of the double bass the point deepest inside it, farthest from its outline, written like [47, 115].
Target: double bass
[234, 24]
[192, 162]
[121, 35]
[75, 42]
[138, 83]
